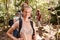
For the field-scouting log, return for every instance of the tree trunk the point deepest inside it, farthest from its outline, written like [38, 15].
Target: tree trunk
[7, 15]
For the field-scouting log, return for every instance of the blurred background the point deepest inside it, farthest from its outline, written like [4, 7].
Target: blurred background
[49, 9]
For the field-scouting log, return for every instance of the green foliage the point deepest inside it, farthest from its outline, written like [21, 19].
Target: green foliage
[8, 8]
[57, 8]
[53, 19]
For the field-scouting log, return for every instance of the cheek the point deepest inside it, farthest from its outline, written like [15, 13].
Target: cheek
[29, 14]
[24, 14]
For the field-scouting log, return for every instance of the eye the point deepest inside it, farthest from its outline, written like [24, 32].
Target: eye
[25, 11]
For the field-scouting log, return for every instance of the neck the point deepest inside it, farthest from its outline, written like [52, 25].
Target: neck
[25, 18]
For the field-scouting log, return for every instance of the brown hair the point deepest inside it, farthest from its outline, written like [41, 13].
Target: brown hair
[25, 7]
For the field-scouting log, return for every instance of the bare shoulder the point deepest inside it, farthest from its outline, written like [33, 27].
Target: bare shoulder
[16, 24]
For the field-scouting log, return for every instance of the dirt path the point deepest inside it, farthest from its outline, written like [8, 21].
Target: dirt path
[3, 36]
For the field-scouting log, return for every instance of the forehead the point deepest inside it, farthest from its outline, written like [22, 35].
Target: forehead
[27, 8]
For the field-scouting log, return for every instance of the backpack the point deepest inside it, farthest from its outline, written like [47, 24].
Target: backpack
[10, 22]
[17, 33]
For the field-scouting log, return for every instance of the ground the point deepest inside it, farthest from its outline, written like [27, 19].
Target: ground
[3, 35]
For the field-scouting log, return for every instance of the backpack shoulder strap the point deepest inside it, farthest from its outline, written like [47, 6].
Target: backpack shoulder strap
[32, 27]
[20, 26]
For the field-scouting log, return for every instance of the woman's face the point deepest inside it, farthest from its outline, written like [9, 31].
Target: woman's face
[27, 12]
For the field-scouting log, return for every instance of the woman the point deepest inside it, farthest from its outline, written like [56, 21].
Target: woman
[26, 30]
